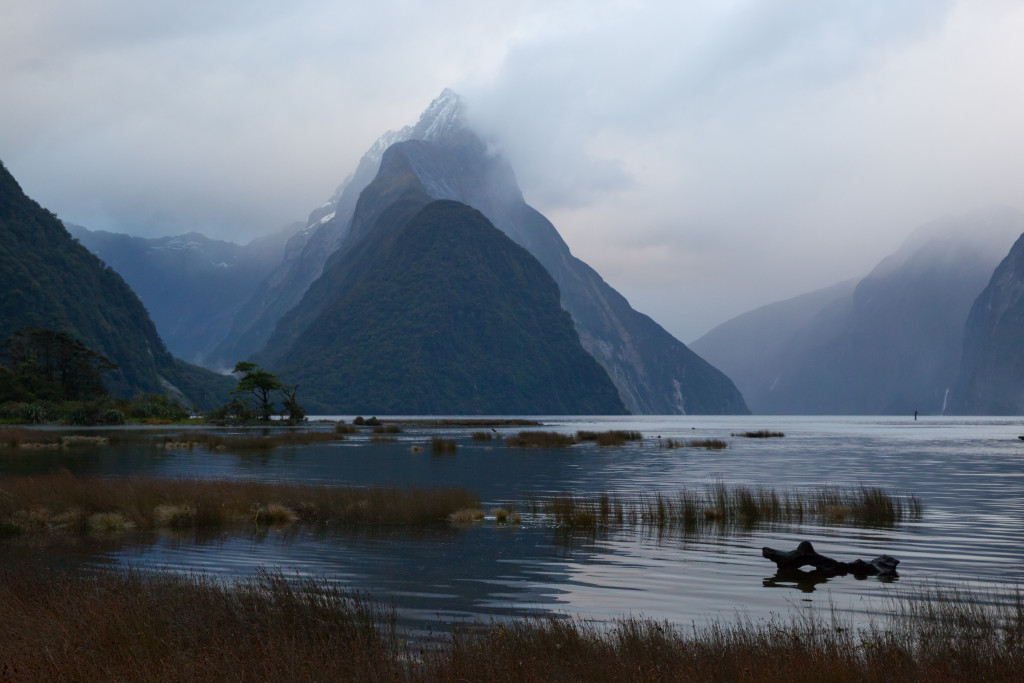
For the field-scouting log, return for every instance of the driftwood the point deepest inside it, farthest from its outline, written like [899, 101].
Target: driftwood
[882, 566]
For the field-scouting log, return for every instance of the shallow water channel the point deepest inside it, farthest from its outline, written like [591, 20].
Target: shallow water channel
[967, 472]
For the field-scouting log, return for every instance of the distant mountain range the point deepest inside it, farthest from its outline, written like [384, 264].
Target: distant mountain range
[889, 344]
[193, 286]
[50, 281]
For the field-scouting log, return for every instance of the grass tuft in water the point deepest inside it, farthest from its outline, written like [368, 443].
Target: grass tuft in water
[760, 434]
[441, 446]
[610, 438]
[540, 440]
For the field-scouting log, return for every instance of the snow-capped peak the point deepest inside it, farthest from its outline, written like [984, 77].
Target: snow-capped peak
[445, 115]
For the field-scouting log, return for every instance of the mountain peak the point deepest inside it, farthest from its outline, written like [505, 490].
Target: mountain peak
[444, 115]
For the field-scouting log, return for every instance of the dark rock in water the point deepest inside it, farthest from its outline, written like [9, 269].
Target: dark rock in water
[883, 566]
[434, 311]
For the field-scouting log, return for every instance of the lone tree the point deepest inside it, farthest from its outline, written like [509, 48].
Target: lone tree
[259, 385]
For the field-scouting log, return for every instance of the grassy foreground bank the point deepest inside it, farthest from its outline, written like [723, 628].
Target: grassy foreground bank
[141, 627]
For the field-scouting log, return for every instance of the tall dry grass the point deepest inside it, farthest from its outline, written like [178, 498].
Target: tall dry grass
[141, 627]
[63, 503]
[722, 506]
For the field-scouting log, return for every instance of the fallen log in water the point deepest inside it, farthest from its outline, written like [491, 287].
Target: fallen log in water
[882, 566]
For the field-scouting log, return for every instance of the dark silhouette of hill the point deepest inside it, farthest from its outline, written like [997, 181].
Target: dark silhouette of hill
[50, 281]
[435, 311]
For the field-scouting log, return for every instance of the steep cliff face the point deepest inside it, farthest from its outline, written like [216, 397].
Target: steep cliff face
[434, 311]
[889, 345]
[50, 281]
[991, 380]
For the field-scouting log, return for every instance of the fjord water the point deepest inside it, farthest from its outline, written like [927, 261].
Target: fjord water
[967, 472]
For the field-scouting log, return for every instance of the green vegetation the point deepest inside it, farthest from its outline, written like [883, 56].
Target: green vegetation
[253, 399]
[49, 281]
[709, 444]
[720, 506]
[128, 625]
[51, 377]
[541, 440]
[64, 504]
[417, 319]
[760, 434]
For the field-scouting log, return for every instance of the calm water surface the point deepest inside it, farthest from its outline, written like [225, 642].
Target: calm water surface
[968, 473]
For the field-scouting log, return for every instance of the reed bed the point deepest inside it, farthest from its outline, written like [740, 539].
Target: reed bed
[64, 504]
[473, 422]
[760, 434]
[248, 442]
[145, 627]
[707, 444]
[441, 446]
[719, 505]
[482, 436]
[610, 438]
[15, 437]
[541, 440]
[387, 429]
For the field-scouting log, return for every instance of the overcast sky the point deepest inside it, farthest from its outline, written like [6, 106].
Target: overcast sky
[704, 157]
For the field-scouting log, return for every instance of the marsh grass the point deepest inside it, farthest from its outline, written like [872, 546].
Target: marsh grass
[721, 506]
[387, 429]
[65, 504]
[247, 442]
[472, 422]
[442, 446]
[129, 625]
[708, 444]
[610, 438]
[342, 428]
[14, 437]
[527, 439]
[482, 436]
[760, 434]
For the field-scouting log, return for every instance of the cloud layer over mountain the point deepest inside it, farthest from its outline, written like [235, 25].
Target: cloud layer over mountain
[706, 158]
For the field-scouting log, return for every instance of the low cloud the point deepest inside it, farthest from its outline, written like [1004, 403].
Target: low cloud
[706, 158]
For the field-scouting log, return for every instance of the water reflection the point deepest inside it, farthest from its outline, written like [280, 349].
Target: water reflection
[967, 473]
